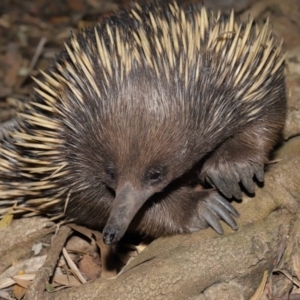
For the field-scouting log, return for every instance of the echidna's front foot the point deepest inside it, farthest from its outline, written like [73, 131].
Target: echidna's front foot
[210, 210]
[236, 162]
[227, 176]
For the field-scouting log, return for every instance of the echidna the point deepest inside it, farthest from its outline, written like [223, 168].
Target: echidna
[148, 122]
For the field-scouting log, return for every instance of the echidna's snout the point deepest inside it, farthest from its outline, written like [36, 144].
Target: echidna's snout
[127, 203]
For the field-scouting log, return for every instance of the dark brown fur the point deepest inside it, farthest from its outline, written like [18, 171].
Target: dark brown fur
[240, 148]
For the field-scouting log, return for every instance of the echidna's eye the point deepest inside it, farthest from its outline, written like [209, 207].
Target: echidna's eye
[154, 176]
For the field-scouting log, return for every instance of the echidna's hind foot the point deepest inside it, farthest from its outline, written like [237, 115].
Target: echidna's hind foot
[237, 161]
[211, 209]
[184, 210]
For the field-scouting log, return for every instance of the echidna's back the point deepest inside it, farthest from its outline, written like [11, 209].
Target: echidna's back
[209, 70]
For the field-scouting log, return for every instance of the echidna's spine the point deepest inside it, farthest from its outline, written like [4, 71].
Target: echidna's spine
[30, 168]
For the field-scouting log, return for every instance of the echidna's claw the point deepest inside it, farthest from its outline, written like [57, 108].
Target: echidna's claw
[228, 176]
[213, 208]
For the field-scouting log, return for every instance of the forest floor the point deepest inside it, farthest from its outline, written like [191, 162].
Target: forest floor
[32, 33]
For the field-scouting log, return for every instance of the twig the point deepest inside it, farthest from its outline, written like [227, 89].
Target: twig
[34, 60]
[36, 289]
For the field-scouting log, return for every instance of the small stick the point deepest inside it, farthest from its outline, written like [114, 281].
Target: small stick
[34, 60]
[36, 289]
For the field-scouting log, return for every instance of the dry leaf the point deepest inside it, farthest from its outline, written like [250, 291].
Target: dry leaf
[89, 266]
[6, 220]
[73, 266]
[66, 280]
[141, 247]
[6, 282]
[30, 266]
[37, 248]
[289, 276]
[20, 287]
[22, 282]
[19, 291]
[83, 230]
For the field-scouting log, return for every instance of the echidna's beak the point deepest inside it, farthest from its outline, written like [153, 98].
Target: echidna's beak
[127, 203]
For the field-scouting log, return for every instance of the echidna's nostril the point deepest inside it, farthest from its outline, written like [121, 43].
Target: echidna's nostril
[109, 235]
